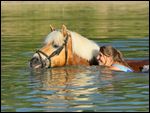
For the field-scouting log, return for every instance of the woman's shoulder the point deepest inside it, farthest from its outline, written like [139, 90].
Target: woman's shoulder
[120, 67]
[114, 68]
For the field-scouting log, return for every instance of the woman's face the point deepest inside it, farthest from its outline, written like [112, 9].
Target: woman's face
[104, 60]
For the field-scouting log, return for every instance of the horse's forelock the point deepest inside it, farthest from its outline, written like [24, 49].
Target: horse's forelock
[55, 36]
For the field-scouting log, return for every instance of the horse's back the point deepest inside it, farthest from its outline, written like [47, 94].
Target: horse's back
[137, 65]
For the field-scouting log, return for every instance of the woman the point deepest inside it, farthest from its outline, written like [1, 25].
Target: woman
[112, 58]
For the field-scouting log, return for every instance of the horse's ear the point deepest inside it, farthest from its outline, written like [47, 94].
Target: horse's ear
[52, 28]
[64, 30]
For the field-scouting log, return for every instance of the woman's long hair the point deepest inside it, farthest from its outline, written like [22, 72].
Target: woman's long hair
[116, 54]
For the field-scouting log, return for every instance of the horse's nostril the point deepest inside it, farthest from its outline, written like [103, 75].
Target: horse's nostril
[37, 63]
[34, 61]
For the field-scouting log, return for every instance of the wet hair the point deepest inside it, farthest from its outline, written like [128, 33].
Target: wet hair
[116, 54]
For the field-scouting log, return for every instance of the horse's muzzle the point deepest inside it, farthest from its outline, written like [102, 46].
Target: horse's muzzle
[35, 62]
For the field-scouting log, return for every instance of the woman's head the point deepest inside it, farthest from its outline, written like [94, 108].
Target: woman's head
[109, 55]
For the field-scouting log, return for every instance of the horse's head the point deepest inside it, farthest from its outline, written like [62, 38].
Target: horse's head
[55, 50]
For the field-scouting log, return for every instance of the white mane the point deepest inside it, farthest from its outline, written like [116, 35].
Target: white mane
[81, 46]
[84, 47]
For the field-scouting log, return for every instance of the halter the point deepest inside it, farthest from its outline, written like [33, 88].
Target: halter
[56, 52]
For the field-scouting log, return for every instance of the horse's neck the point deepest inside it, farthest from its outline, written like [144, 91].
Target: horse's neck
[76, 60]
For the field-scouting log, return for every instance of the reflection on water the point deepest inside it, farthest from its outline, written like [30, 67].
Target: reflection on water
[75, 88]
[87, 89]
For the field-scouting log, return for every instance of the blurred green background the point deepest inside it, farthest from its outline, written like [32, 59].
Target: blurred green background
[91, 19]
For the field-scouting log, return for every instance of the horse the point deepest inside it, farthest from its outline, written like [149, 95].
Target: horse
[64, 47]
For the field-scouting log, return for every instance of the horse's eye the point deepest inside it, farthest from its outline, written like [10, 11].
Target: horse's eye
[55, 46]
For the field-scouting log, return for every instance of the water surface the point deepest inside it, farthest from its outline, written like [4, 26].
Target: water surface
[73, 88]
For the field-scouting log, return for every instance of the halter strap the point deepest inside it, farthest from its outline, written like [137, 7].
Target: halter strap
[56, 52]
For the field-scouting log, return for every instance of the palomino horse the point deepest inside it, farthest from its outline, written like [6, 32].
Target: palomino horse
[64, 47]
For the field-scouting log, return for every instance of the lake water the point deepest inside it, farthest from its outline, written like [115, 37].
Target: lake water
[73, 88]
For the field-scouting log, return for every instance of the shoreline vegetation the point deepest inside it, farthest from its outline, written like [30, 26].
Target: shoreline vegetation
[74, 2]
[92, 19]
